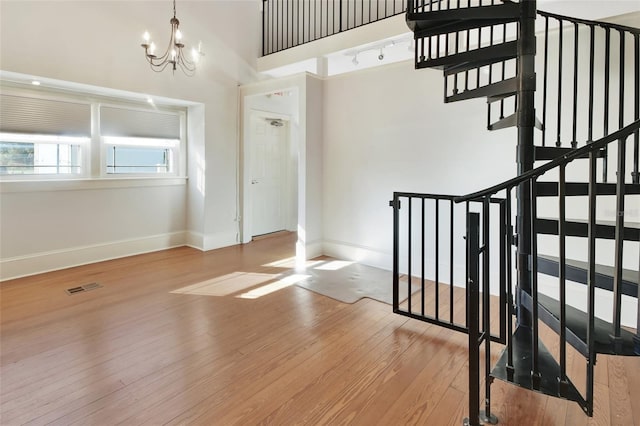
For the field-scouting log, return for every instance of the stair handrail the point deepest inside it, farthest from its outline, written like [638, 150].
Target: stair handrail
[563, 159]
[603, 24]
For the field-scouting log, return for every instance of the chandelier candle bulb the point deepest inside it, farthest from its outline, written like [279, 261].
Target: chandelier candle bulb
[174, 54]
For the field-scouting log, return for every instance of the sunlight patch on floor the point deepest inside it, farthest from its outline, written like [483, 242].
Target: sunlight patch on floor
[274, 286]
[226, 284]
[290, 263]
[333, 265]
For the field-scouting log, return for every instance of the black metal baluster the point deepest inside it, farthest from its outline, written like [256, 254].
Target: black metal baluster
[574, 142]
[607, 57]
[274, 24]
[635, 174]
[409, 276]
[320, 23]
[486, 415]
[591, 282]
[327, 20]
[437, 257]
[619, 244]
[455, 76]
[535, 358]
[451, 262]
[510, 368]
[422, 261]
[591, 80]
[544, 80]
[502, 262]
[348, 26]
[504, 65]
[478, 68]
[559, 112]
[278, 32]
[636, 338]
[621, 84]
[620, 199]
[563, 383]
[466, 270]
[473, 299]
[466, 73]
[264, 27]
[396, 251]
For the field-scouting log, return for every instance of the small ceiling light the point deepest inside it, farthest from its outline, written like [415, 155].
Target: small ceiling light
[173, 55]
[35, 82]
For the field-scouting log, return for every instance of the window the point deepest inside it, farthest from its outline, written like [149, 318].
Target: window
[139, 141]
[46, 134]
[140, 155]
[40, 154]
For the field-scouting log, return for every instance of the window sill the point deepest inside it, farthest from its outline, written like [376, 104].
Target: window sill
[7, 186]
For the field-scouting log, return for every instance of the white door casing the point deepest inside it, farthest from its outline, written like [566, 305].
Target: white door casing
[268, 174]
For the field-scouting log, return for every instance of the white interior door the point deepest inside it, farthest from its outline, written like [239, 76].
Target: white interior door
[268, 175]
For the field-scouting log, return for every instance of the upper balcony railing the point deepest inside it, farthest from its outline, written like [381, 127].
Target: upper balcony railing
[290, 23]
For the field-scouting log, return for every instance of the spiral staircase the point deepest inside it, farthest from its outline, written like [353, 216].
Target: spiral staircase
[577, 144]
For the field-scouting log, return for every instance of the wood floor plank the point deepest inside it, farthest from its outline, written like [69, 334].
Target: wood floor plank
[135, 352]
[632, 370]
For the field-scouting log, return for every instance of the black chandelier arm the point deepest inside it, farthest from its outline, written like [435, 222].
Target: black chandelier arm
[174, 54]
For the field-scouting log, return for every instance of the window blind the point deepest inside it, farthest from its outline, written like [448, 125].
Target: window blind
[23, 114]
[116, 121]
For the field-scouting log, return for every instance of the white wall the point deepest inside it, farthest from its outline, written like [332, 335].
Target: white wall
[98, 43]
[388, 129]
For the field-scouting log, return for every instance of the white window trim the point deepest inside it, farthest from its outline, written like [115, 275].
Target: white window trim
[94, 174]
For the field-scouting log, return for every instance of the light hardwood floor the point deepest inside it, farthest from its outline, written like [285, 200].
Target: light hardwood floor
[157, 345]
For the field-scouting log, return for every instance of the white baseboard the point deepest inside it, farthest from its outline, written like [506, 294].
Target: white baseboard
[314, 249]
[37, 263]
[361, 254]
[219, 240]
[384, 260]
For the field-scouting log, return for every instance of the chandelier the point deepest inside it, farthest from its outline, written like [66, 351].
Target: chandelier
[174, 55]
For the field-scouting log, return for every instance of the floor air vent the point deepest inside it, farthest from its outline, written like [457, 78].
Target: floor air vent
[86, 287]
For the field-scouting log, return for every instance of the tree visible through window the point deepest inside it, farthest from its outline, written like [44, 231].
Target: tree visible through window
[33, 158]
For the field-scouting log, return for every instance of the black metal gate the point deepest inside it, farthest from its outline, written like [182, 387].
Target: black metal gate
[430, 260]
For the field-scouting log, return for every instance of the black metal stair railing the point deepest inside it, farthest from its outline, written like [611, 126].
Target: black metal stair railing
[290, 23]
[533, 367]
[427, 234]
[590, 79]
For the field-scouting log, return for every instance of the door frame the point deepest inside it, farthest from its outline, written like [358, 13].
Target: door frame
[290, 178]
